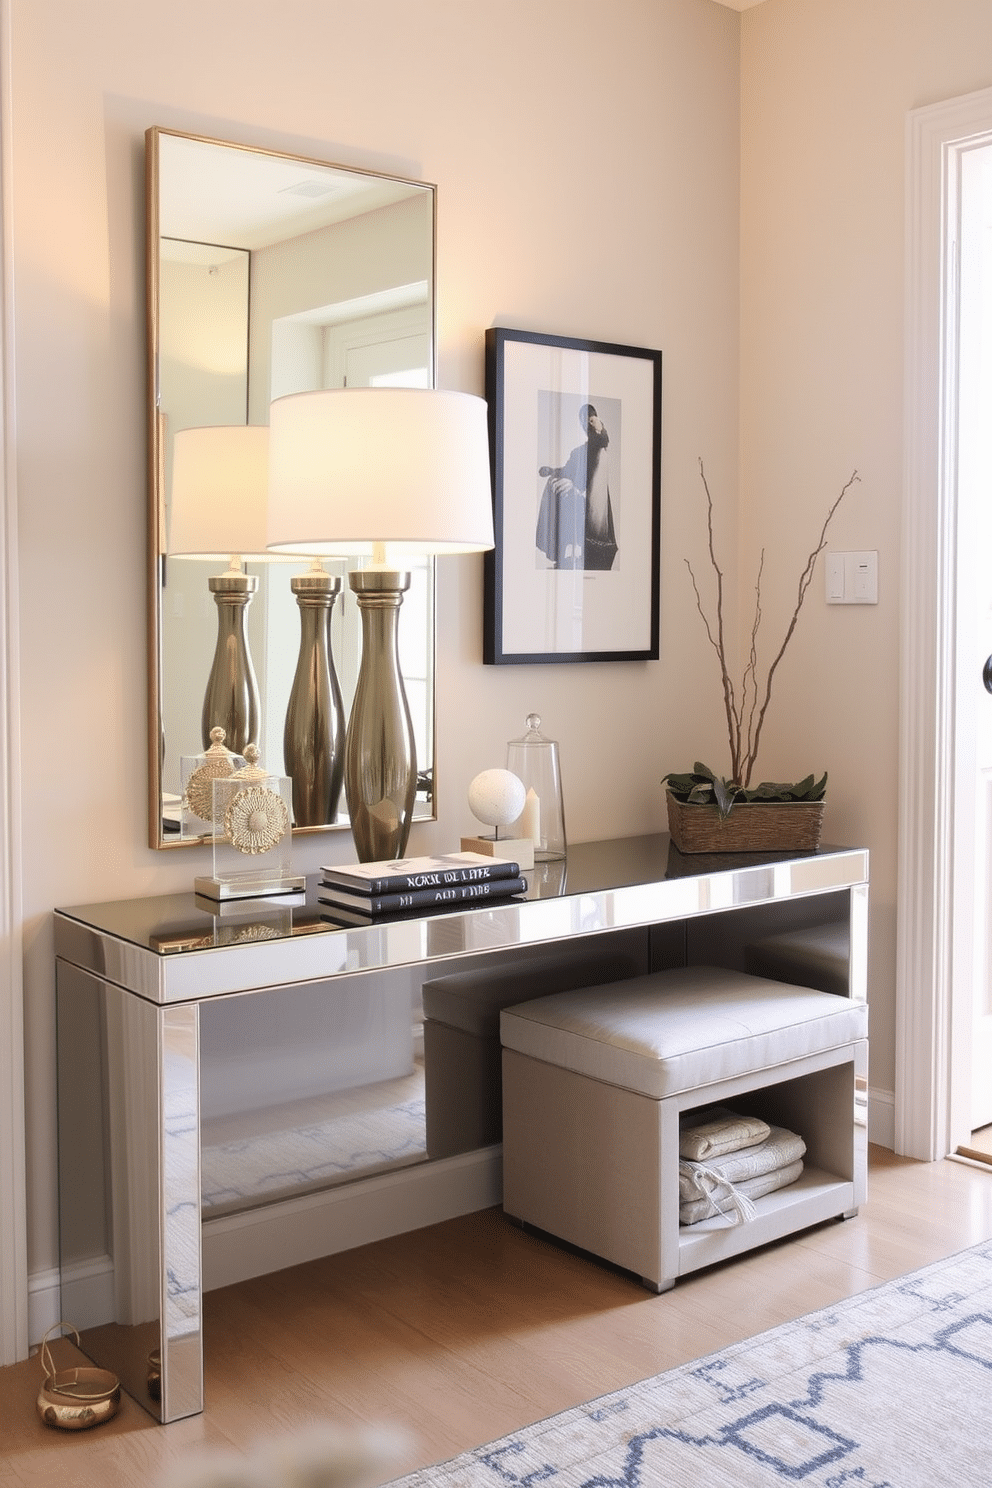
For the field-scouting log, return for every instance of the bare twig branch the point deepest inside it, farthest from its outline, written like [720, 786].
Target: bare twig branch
[745, 719]
[751, 674]
[729, 701]
[716, 641]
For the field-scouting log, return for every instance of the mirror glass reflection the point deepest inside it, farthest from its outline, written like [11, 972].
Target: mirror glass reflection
[271, 274]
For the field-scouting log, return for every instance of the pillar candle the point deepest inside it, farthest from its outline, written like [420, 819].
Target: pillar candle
[530, 818]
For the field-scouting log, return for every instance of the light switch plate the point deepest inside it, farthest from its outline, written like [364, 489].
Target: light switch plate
[851, 578]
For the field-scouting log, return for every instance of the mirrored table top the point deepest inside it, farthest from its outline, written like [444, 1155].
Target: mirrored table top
[172, 947]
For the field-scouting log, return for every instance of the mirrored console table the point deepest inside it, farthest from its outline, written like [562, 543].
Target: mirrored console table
[243, 1090]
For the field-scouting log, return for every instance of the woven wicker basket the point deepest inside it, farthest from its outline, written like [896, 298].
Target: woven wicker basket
[772, 826]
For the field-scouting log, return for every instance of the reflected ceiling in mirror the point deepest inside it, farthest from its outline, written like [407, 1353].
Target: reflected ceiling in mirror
[270, 274]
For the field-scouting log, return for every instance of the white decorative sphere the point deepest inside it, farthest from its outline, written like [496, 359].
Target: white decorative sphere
[496, 797]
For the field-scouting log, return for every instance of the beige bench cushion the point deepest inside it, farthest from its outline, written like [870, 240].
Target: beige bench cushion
[681, 1029]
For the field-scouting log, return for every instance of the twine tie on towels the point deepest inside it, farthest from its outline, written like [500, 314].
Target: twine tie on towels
[708, 1183]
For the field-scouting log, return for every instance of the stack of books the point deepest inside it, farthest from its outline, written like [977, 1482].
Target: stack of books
[359, 893]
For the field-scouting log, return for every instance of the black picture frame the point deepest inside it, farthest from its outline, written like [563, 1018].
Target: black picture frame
[575, 444]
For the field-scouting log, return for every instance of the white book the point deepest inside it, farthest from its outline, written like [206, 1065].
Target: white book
[396, 875]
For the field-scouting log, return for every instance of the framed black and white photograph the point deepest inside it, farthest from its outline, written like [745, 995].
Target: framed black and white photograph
[575, 435]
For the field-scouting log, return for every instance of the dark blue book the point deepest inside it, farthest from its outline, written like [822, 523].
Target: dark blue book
[368, 906]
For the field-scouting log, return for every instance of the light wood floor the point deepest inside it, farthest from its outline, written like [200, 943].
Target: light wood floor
[980, 1146]
[471, 1329]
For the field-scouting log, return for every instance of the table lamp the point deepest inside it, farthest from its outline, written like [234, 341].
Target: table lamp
[219, 496]
[385, 472]
[220, 490]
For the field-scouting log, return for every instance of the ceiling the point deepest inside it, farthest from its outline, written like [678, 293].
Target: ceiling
[739, 4]
[211, 193]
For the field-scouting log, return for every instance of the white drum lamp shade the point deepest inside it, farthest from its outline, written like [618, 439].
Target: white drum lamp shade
[397, 471]
[220, 487]
[354, 467]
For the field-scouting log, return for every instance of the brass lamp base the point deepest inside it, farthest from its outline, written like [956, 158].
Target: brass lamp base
[231, 699]
[380, 756]
[313, 736]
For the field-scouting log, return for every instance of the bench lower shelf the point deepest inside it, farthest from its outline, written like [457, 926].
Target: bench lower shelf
[814, 1197]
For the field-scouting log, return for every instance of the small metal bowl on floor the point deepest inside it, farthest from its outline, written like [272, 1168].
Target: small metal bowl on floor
[79, 1397]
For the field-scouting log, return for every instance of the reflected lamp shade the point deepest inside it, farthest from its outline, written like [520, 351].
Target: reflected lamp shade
[359, 471]
[220, 487]
[219, 498]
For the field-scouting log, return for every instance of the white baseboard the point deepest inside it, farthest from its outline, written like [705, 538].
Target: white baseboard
[44, 1306]
[89, 1298]
[882, 1118]
[239, 1246]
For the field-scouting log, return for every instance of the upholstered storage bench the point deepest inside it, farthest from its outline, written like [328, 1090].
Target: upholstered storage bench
[462, 1079]
[595, 1081]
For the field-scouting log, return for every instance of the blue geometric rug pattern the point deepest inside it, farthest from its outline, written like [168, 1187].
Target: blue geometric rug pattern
[317, 1154]
[888, 1389]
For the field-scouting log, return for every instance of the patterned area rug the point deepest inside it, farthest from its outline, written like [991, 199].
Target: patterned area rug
[889, 1389]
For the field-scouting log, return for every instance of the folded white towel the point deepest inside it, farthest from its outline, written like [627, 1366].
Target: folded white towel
[779, 1148]
[720, 1130]
[731, 1200]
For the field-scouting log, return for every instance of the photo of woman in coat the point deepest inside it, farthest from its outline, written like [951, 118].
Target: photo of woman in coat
[575, 526]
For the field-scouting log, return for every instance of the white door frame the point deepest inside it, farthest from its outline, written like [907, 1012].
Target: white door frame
[13, 1200]
[931, 1023]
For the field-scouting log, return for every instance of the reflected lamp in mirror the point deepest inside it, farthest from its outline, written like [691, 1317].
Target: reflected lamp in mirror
[219, 504]
[380, 473]
[218, 507]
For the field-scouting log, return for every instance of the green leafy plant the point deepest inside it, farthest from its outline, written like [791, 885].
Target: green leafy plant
[746, 703]
[702, 787]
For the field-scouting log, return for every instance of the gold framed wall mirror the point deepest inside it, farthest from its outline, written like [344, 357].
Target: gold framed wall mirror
[271, 273]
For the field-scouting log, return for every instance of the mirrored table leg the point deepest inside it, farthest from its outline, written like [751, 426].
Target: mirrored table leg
[129, 1188]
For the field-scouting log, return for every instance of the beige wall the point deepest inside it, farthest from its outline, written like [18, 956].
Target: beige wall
[826, 87]
[587, 160]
